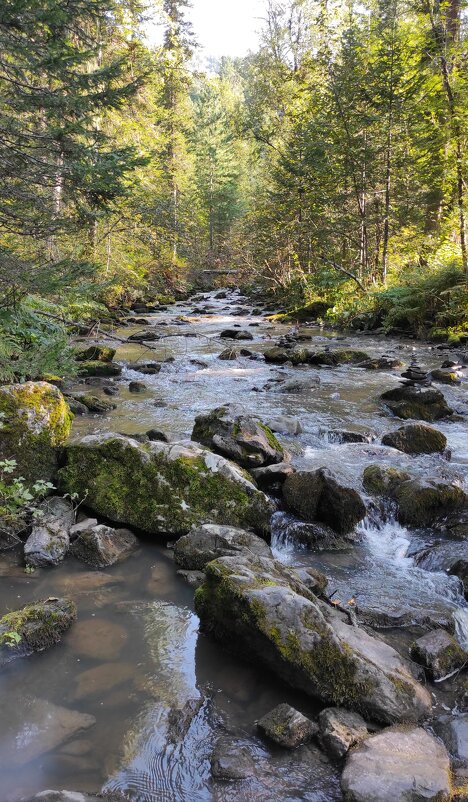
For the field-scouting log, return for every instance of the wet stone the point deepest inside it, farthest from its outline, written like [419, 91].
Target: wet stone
[208, 542]
[102, 545]
[287, 726]
[439, 653]
[101, 679]
[416, 438]
[137, 387]
[453, 730]
[82, 526]
[231, 760]
[98, 638]
[340, 729]
[398, 765]
[228, 353]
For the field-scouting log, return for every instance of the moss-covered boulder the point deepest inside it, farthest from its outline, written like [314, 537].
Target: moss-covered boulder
[34, 628]
[382, 480]
[445, 376]
[208, 542]
[277, 355]
[96, 368]
[348, 356]
[95, 353]
[319, 496]
[264, 612]
[34, 421]
[239, 437]
[439, 653]
[421, 502]
[416, 438]
[418, 403]
[162, 488]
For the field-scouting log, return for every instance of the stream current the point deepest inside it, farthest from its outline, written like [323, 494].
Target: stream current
[135, 696]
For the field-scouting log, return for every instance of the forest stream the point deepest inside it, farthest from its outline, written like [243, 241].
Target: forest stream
[135, 697]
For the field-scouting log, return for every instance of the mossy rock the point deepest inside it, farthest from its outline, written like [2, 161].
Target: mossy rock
[263, 611]
[416, 438]
[97, 368]
[347, 356]
[445, 376]
[35, 627]
[381, 480]
[311, 311]
[239, 437]
[95, 353]
[161, 488]
[319, 496]
[416, 403]
[35, 422]
[420, 503]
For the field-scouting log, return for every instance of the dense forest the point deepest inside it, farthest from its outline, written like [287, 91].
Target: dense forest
[328, 166]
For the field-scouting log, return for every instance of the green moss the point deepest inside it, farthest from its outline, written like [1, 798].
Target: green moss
[382, 480]
[36, 421]
[141, 488]
[272, 440]
[420, 503]
[95, 353]
[34, 627]
[97, 368]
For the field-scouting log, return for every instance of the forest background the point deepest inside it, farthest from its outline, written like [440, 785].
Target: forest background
[328, 169]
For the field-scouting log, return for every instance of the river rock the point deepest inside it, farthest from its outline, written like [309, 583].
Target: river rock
[277, 355]
[398, 765]
[101, 546]
[147, 368]
[454, 732]
[421, 501]
[294, 386]
[341, 729]
[426, 404]
[236, 334]
[11, 529]
[439, 653]
[35, 422]
[382, 363]
[445, 376]
[318, 496]
[97, 368]
[101, 679]
[49, 540]
[98, 406]
[272, 477]
[158, 435]
[35, 627]
[285, 424]
[98, 639]
[460, 569]
[416, 438]
[263, 611]
[242, 438]
[162, 488]
[95, 353]
[382, 480]
[339, 357]
[231, 760]
[342, 436]
[144, 336]
[315, 536]
[76, 407]
[82, 526]
[72, 796]
[200, 546]
[287, 726]
[35, 727]
[137, 387]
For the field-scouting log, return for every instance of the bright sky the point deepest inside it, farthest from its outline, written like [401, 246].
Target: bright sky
[225, 27]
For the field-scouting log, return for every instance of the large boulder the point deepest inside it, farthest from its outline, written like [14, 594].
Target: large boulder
[426, 404]
[34, 422]
[263, 611]
[416, 438]
[398, 765]
[202, 545]
[421, 501]
[318, 496]
[162, 488]
[34, 628]
[347, 356]
[239, 437]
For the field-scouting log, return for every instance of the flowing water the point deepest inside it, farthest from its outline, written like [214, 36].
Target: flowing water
[135, 697]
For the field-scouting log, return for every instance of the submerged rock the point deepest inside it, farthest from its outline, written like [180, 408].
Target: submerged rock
[35, 627]
[98, 406]
[264, 612]
[101, 546]
[162, 488]
[341, 436]
[439, 653]
[315, 536]
[418, 403]
[239, 437]
[416, 438]
[341, 729]
[398, 765]
[231, 760]
[35, 422]
[318, 496]
[208, 542]
[287, 726]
